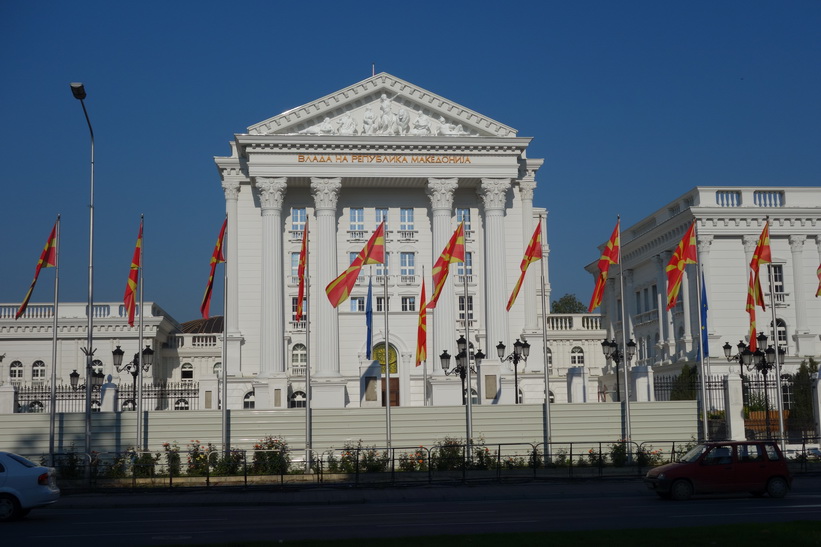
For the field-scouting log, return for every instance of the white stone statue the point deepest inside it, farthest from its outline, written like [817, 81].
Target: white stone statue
[403, 121]
[347, 125]
[421, 125]
[450, 129]
[325, 128]
[368, 127]
[386, 122]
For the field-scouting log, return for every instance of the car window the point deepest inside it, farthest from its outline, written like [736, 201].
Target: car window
[750, 453]
[719, 455]
[772, 453]
[21, 460]
[693, 454]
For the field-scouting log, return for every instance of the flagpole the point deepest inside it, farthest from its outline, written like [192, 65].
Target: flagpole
[224, 369]
[545, 364]
[140, 445]
[387, 353]
[53, 394]
[425, 362]
[469, 381]
[308, 416]
[702, 368]
[779, 396]
[625, 324]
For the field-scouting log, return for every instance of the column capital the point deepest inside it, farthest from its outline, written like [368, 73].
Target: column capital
[750, 241]
[526, 188]
[271, 191]
[494, 193]
[440, 192]
[326, 192]
[231, 189]
[797, 243]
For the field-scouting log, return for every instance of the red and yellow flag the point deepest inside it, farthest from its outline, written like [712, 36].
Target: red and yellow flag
[532, 254]
[422, 330]
[761, 255]
[818, 292]
[454, 251]
[48, 259]
[685, 253]
[373, 252]
[751, 310]
[303, 258]
[216, 257]
[610, 255]
[130, 297]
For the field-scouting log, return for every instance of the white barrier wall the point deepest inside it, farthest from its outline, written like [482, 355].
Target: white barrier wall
[27, 434]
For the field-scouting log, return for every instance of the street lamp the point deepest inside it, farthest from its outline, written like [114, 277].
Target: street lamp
[762, 361]
[521, 351]
[611, 351]
[97, 379]
[79, 92]
[134, 366]
[463, 368]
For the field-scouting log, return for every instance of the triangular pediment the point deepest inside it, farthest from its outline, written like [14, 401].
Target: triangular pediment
[382, 105]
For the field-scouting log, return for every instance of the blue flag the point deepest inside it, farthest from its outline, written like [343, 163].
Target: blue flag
[369, 319]
[704, 340]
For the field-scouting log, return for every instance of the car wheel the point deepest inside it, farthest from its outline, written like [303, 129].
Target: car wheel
[777, 487]
[681, 490]
[9, 508]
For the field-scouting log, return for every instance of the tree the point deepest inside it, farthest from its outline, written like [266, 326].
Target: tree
[568, 304]
[801, 419]
[684, 385]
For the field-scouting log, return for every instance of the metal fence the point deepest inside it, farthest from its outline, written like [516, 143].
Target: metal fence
[166, 396]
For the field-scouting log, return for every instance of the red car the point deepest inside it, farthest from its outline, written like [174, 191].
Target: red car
[757, 467]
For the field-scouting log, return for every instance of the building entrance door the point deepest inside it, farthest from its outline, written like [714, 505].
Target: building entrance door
[394, 392]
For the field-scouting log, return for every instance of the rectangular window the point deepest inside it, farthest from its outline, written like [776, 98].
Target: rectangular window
[382, 269]
[381, 214]
[462, 308]
[406, 220]
[357, 303]
[646, 301]
[357, 219]
[294, 268]
[407, 268]
[655, 305]
[463, 215]
[408, 303]
[466, 267]
[294, 301]
[380, 304]
[298, 216]
[777, 272]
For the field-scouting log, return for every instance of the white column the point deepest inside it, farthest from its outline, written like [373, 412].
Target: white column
[704, 242]
[272, 341]
[686, 308]
[440, 192]
[531, 284]
[326, 193]
[669, 320]
[661, 281]
[629, 306]
[233, 341]
[797, 252]
[494, 195]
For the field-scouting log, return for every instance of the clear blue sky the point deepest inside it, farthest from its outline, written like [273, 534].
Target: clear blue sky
[630, 103]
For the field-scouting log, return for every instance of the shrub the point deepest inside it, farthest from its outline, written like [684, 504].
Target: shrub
[416, 461]
[198, 455]
[448, 455]
[172, 458]
[229, 464]
[618, 453]
[271, 456]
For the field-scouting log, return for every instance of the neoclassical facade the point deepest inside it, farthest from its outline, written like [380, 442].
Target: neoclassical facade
[381, 149]
[729, 221]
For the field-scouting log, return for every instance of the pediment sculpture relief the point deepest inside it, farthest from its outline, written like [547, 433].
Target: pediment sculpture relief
[390, 119]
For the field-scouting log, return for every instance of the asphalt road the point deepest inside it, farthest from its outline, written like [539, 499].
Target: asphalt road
[216, 516]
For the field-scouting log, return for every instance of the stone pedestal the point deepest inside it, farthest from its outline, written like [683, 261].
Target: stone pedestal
[806, 344]
[576, 385]
[328, 393]
[507, 389]
[641, 384]
[271, 393]
[446, 391]
[209, 393]
[490, 375]
[8, 399]
[370, 385]
[734, 407]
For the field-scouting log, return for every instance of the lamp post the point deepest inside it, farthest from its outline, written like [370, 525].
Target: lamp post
[762, 361]
[139, 362]
[79, 92]
[97, 379]
[463, 368]
[611, 351]
[521, 351]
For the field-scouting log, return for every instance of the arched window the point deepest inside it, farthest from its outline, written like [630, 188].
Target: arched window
[97, 366]
[129, 405]
[95, 406]
[248, 401]
[16, 370]
[36, 406]
[181, 404]
[38, 371]
[299, 359]
[187, 372]
[549, 358]
[297, 399]
[577, 356]
[217, 369]
[520, 395]
[379, 355]
[781, 332]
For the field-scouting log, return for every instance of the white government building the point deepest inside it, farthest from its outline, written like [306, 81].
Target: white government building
[729, 222]
[381, 149]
